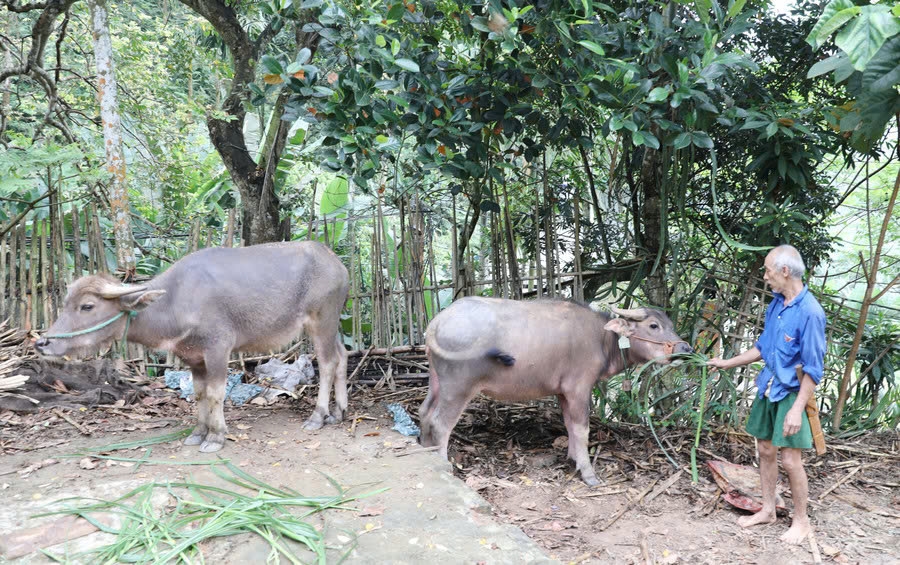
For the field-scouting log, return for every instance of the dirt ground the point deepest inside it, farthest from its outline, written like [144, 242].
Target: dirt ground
[514, 457]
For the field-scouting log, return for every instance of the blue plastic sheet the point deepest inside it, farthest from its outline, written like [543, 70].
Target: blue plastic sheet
[402, 422]
[236, 391]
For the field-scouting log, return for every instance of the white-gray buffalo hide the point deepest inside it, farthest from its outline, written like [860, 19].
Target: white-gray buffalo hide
[211, 303]
[518, 351]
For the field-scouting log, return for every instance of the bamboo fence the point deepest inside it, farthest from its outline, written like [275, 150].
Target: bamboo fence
[398, 282]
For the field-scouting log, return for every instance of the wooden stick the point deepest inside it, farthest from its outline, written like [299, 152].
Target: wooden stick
[645, 550]
[359, 365]
[74, 424]
[419, 450]
[629, 505]
[665, 485]
[840, 482]
[814, 547]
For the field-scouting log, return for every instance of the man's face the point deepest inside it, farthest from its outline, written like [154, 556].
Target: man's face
[775, 278]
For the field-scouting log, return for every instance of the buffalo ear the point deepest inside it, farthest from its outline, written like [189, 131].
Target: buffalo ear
[137, 301]
[620, 326]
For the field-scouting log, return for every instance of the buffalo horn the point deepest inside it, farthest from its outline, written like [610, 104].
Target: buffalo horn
[118, 290]
[636, 314]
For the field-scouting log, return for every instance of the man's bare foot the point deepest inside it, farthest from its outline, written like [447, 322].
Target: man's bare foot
[762, 517]
[798, 531]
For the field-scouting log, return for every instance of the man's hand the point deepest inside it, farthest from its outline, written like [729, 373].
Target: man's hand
[717, 363]
[792, 421]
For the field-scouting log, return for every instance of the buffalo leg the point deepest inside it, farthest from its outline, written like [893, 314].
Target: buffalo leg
[332, 359]
[340, 382]
[217, 377]
[437, 428]
[577, 419]
[198, 374]
[427, 407]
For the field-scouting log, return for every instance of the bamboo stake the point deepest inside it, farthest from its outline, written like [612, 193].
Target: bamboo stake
[76, 242]
[46, 268]
[3, 275]
[454, 251]
[34, 269]
[548, 226]
[102, 266]
[23, 274]
[13, 305]
[539, 282]
[578, 290]
[63, 271]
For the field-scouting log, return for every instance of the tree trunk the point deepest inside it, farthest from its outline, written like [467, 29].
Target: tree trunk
[654, 239]
[112, 136]
[868, 300]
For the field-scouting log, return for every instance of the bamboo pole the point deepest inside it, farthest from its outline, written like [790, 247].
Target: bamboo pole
[537, 243]
[23, 277]
[12, 309]
[76, 242]
[34, 270]
[4, 301]
[46, 268]
[100, 245]
[454, 251]
[64, 276]
[578, 290]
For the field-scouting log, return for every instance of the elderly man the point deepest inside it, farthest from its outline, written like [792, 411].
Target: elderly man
[794, 333]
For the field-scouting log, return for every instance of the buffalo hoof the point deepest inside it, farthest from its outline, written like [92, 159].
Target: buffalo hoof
[212, 445]
[314, 422]
[195, 438]
[590, 480]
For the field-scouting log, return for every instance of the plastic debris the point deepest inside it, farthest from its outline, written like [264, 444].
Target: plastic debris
[236, 391]
[402, 422]
[284, 377]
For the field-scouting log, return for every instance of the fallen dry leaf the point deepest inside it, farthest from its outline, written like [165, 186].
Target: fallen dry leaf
[313, 445]
[87, 463]
[371, 511]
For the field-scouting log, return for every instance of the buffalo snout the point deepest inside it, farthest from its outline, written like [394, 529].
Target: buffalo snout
[683, 348]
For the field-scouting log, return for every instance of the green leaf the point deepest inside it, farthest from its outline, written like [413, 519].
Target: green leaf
[590, 45]
[650, 140]
[682, 141]
[658, 94]
[637, 138]
[830, 11]
[701, 139]
[407, 64]
[826, 66]
[862, 40]
[703, 7]
[771, 129]
[835, 23]
[395, 46]
[380, 41]
[883, 71]
[736, 8]
[272, 65]
[304, 55]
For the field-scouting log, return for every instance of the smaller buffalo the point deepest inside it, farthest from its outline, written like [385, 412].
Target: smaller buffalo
[518, 351]
[214, 302]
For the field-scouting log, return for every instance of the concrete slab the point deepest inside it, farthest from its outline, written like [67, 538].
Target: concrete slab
[425, 515]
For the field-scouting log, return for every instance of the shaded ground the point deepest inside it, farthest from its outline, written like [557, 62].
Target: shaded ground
[512, 455]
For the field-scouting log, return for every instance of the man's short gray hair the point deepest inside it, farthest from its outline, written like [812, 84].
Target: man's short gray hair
[788, 256]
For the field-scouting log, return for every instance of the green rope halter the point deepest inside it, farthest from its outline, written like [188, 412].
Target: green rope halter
[131, 314]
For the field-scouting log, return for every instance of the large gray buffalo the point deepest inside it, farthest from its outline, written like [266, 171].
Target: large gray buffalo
[514, 350]
[211, 303]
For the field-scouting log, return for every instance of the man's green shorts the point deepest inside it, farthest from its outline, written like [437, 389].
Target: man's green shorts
[767, 422]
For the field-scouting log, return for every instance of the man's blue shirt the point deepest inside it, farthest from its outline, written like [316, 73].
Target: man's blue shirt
[793, 334]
